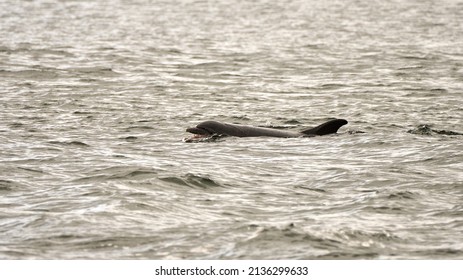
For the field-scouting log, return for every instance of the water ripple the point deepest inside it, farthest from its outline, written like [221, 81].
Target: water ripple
[95, 100]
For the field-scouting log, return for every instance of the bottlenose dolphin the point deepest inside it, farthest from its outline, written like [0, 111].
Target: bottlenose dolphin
[213, 128]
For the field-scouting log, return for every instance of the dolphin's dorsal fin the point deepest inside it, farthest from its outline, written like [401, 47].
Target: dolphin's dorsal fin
[326, 128]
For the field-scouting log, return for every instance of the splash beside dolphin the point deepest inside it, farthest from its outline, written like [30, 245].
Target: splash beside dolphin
[213, 128]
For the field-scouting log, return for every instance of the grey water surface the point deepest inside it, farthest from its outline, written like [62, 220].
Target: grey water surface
[95, 97]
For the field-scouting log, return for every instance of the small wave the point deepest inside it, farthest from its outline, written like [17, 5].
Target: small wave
[348, 256]
[415, 57]
[136, 173]
[425, 129]
[53, 52]
[129, 138]
[5, 49]
[36, 51]
[402, 195]
[31, 170]
[440, 253]
[94, 70]
[265, 239]
[192, 181]
[383, 209]
[332, 86]
[360, 235]
[70, 143]
[163, 50]
[116, 173]
[16, 125]
[313, 46]
[30, 74]
[212, 138]
[413, 67]
[439, 90]
[312, 189]
[7, 185]
[238, 117]
[293, 122]
[140, 127]
[447, 132]
[421, 130]
[290, 231]
[81, 113]
[355, 132]
[455, 212]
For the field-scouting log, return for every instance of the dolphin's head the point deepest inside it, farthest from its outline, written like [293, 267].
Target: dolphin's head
[206, 129]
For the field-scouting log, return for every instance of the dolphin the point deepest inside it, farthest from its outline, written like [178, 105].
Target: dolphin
[213, 128]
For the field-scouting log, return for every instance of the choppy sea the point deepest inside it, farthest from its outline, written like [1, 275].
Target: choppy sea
[95, 97]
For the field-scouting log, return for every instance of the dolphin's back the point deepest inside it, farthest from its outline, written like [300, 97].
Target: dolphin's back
[244, 130]
[252, 131]
[214, 127]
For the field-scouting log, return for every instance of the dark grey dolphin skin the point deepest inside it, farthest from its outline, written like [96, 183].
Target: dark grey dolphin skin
[210, 128]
